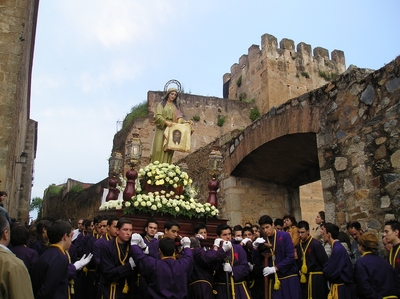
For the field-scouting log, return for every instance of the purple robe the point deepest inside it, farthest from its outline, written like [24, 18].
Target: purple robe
[240, 270]
[39, 247]
[167, 278]
[316, 258]
[395, 262]
[114, 273]
[287, 267]
[86, 278]
[28, 255]
[50, 275]
[374, 277]
[339, 270]
[201, 280]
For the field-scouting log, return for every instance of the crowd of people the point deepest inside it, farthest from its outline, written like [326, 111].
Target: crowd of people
[282, 258]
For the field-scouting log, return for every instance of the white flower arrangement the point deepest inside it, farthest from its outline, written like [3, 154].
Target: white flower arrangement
[164, 202]
[164, 174]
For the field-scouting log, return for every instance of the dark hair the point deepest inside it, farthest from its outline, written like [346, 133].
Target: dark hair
[112, 219]
[237, 228]
[322, 215]
[167, 246]
[278, 221]
[19, 235]
[303, 224]
[356, 225]
[255, 226]
[151, 221]
[3, 193]
[57, 230]
[247, 229]
[199, 226]
[291, 217]
[97, 219]
[4, 225]
[173, 132]
[265, 219]
[333, 229]
[395, 225]
[222, 227]
[123, 221]
[87, 223]
[170, 223]
[194, 242]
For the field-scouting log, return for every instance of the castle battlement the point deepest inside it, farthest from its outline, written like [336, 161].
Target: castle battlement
[274, 73]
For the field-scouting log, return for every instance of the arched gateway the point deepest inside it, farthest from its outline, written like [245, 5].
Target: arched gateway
[345, 133]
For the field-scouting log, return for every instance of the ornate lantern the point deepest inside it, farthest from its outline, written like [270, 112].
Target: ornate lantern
[133, 153]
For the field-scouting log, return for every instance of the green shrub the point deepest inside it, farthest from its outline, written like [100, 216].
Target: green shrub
[327, 76]
[221, 121]
[196, 118]
[54, 190]
[254, 114]
[242, 97]
[305, 74]
[239, 81]
[137, 111]
[76, 188]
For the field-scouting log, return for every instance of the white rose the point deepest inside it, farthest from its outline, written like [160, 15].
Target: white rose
[148, 203]
[149, 182]
[153, 207]
[118, 207]
[159, 205]
[136, 204]
[143, 204]
[177, 209]
[127, 204]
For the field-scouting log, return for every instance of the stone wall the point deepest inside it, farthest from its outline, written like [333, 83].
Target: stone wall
[17, 36]
[272, 75]
[206, 130]
[354, 121]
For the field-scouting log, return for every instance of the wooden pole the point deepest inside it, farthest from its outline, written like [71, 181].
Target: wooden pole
[266, 286]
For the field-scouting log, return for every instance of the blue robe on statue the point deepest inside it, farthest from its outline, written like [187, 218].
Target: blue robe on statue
[374, 277]
[339, 272]
[240, 270]
[167, 278]
[288, 270]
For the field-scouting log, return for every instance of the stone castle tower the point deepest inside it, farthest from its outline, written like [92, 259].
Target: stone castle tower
[273, 75]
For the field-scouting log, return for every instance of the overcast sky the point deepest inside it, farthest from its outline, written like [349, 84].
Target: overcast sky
[95, 59]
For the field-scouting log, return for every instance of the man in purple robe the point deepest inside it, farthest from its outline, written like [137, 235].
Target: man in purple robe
[282, 268]
[117, 264]
[167, 277]
[339, 269]
[19, 238]
[392, 235]
[234, 268]
[201, 281]
[51, 275]
[311, 260]
[374, 277]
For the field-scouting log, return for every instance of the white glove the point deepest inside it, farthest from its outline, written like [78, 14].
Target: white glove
[227, 245]
[217, 241]
[137, 239]
[245, 241]
[83, 261]
[238, 239]
[268, 270]
[132, 262]
[251, 266]
[185, 241]
[158, 235]
[227, 267]
[198, 236]
[257, 242]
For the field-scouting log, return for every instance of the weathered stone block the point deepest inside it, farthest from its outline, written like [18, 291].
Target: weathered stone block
[385, 201]
[340, 163]
[395, 159]
[348, 186]
[327, 178]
